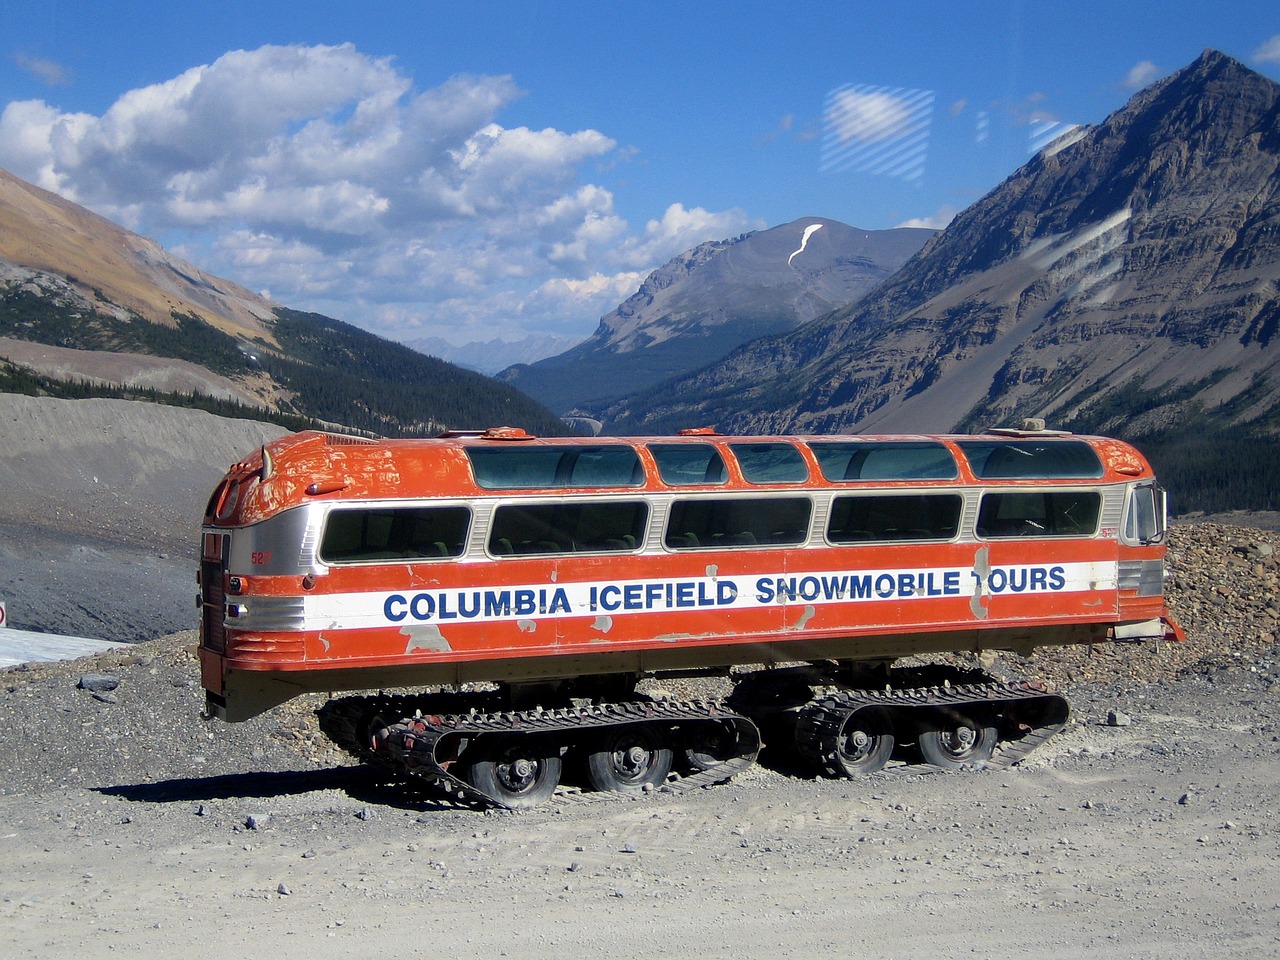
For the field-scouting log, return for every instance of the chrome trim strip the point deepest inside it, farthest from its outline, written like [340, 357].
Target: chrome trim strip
[1145, 576]
[266, 614]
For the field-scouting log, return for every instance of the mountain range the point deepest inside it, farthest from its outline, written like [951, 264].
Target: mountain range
[492, 356]
[699, 306]
[1124, 278]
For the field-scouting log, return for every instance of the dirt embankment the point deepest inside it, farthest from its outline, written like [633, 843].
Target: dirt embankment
[101, 511]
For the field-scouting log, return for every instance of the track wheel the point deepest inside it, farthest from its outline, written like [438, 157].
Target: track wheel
[863, 745]
[515, 770]
[628, 759]
[953, 741]
[710, 744]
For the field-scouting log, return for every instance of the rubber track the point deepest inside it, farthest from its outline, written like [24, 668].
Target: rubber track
[819, 723]
[408, 747]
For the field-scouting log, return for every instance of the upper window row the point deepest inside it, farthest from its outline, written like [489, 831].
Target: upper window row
[365, 534]
[538, 467]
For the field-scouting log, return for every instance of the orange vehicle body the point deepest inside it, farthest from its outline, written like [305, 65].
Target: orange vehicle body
[296, 598]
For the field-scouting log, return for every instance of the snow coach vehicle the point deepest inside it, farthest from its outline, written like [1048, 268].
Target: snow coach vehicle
[526, 584]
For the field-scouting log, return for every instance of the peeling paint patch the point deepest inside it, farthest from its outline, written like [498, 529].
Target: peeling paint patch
[420, 579]
[527, 626]
[981, 571]
[713, 570]
[809, 611]
[603, 624]
[427, 638]
[324, 642]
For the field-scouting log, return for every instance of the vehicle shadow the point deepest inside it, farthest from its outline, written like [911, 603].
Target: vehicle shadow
[361, 783]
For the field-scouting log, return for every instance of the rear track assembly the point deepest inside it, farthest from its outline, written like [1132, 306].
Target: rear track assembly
[512, 758]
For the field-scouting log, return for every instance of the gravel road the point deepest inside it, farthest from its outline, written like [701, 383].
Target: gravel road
[1150, 827]
[131, 825]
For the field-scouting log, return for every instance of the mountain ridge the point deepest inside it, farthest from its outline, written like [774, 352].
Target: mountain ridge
[86, 289]
[1147, 248]
[704, 302]
[128, 270]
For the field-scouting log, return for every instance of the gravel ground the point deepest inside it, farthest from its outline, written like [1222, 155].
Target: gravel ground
[54, 583]
[131, 824]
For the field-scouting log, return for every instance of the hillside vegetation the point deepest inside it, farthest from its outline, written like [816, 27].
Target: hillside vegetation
[318, 369]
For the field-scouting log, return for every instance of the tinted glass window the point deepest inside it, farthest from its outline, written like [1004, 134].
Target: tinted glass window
[542, 467]
[568, 527]
[908, 460]
[770, 462]
[1031, 459]
[1071, 513]
[400, 533]
[709, 522]
[685, 464]
[913, 517]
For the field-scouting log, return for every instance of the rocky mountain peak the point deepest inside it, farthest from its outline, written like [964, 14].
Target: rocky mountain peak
[1126, 279]
[708, 300]
[45, 234]
[1164, 153]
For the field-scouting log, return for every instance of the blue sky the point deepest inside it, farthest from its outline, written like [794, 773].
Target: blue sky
[481, 170]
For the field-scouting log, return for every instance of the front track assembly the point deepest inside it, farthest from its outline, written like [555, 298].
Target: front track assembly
[850, 732]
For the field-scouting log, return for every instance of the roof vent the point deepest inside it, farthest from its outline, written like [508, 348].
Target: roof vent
[506, 433]
[1030, 427]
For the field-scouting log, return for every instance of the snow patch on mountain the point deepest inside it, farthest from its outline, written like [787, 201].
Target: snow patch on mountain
[809, 231]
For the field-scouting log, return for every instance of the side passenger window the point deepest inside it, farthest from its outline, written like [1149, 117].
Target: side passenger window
[719, 523]
[897, 517]
[1058, 513]
[359, 535]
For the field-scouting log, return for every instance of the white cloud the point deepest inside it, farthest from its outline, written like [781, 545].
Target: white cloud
[679, 230]
[265, 254]
[868, 117]
[47, 71]
[580, 227]
[1141, 74]
[937, 220]
[595, 290]
[26, 140]
[324, 175]
[1269, 52]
